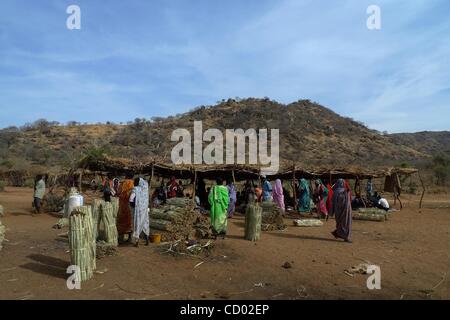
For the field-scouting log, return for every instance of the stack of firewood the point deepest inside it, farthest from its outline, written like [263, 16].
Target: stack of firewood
[178, 220]
[272, 217]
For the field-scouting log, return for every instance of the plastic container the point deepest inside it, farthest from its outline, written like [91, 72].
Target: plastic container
[73, 202]
[155, 238]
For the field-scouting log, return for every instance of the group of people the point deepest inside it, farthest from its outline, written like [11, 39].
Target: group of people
[172, 189]
[330, 200]
[220, 201]
[132, 218]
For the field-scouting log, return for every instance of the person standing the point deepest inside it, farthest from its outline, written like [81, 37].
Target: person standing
[139, 203]
[172, 188]
[342, 210]
[108, 189]
[219, 200]
[180, 189]
[124, 221]
[267, 190]
[39, 192]
[278, 195]
[369, 189]
[232, 198]
[202, 193]
[304, 199]
[330, 196]
[320, 196]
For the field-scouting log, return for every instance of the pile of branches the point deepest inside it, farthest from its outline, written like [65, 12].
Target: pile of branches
[272, 217]
[192, 248]
[178, 220]
[54, 201]
[105, 250]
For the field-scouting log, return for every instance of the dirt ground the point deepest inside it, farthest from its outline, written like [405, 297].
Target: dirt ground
[412, 250]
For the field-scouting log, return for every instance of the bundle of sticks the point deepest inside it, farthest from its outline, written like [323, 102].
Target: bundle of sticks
[371, 214]
[178, 220]
[54, 201]
[82, 242]
[272, 217]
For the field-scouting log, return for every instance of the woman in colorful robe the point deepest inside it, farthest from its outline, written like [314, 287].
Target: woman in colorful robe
[172, 188]
[139, 203]
[124, 221]
[304, 199]
[218, 199]
[329, 201]
[232, 196]
[278, 195]
[342, 210]
[267, 190]
[320, 197]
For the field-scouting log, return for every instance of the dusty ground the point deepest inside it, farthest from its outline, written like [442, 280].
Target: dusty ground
[412, 249]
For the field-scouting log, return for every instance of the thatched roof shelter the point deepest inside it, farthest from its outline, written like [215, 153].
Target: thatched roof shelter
[164, 168]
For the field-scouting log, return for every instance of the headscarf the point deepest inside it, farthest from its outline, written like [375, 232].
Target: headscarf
[339, 184]
[304, 185]
[347, 187]
[278, 188]
[278, 195]
[232, 192]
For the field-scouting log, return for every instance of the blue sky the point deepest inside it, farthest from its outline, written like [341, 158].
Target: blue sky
[157, 58]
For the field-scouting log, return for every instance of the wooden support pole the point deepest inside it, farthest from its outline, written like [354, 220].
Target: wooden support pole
[400, 201]
[150, 189]
[293, 188]
[423, 190]
[80, 182]
[234, 179]
[194, 186]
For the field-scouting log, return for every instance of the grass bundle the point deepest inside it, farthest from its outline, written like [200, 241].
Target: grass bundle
[96, 213]
[372, 211]
[2, 234]
[2, 228]
[82, 242]
[370, 217]
[115, 205]
[308, 223]
[108, 219]
[253, 217]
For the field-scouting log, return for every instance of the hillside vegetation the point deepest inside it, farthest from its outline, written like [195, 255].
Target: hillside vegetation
[310, 134]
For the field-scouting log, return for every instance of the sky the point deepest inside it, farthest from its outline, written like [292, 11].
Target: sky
[150, 58]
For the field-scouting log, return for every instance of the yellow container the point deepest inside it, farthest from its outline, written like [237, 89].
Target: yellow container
[155, 238]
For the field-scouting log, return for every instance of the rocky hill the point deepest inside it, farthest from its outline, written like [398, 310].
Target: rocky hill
[427, 142]
[310, 134]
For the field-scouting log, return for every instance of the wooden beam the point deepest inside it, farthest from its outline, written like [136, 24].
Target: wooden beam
[293, 188]
[194, 186]
[150, 189]
[80, 182]
[423, 190]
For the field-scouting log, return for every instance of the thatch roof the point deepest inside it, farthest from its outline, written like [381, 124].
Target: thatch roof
[163, 168]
